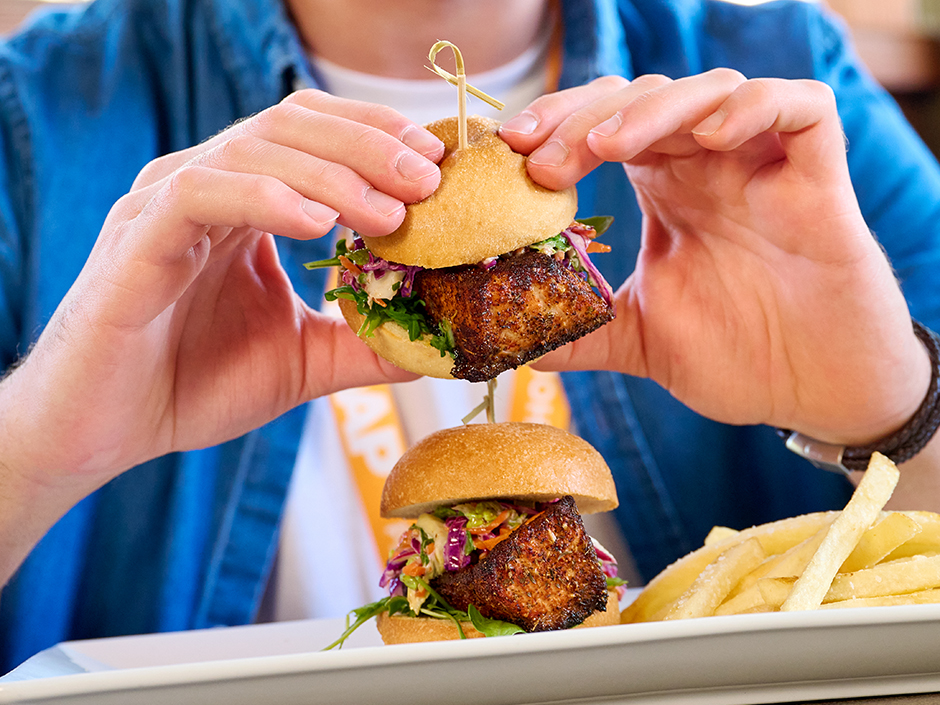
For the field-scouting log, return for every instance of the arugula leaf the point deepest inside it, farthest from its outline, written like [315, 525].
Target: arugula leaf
[615, 582]
[322, 263]
[600, 223]
[392, 605]
[491, 627]
[333, 261]
[406, 311]
[443, 512]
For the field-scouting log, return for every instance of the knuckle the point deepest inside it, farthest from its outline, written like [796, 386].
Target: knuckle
[155, 170]
[234, 152]
[263, 192]
[756, 88]
[262, 122]
[651, 81]
[126, 208]
[821, 91]
[729, 76]
[183, 183]
[611, 83]
[305, 97]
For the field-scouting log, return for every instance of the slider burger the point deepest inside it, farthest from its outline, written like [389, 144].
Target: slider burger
[488, 273]
[497, 545]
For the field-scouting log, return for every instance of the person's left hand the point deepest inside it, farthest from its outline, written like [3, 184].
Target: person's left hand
[759, 294]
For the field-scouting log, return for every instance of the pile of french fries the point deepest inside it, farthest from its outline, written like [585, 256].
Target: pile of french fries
[860, 556]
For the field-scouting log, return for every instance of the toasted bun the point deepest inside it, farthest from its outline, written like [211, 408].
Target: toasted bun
[498, 460]
[391, 342]
[409, 630]
[486, 204]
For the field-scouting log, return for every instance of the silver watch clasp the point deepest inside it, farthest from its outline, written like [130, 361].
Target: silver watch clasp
[825, 456]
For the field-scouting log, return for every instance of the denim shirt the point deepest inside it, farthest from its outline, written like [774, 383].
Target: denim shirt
[89, 96]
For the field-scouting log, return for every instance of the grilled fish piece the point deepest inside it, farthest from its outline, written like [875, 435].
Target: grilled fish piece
[544, 576]
[521, 308]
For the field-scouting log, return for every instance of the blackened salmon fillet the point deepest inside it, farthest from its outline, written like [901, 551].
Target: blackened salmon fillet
[522, 307]
[544, 576]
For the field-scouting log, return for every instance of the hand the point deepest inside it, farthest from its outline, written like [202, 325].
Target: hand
[759, 295]
[183, 330]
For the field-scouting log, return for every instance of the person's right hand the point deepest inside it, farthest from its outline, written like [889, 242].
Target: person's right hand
[183, 330]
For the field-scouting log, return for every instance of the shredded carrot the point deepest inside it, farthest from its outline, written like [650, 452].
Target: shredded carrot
[487, 544]
[595, 246]
[350, 265]
[414, 569]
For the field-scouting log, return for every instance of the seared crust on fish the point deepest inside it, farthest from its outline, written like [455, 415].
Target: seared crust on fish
[544, 576]
[514, 312]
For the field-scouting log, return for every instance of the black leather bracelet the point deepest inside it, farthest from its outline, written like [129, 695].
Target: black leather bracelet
[901, 445]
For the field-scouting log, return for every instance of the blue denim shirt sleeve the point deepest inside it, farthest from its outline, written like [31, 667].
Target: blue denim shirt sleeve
[15, 196]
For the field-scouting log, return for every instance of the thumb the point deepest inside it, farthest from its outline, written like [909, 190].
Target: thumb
[616, 346]
[337, 359]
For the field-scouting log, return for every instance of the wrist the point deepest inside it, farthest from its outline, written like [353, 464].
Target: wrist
[900, 444]
[31, 500]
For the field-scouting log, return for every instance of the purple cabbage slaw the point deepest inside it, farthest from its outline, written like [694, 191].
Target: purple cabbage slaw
[579, 236]
[576, 235]
[458, 536]
[378, 268]
[454, 549]
[455, 555]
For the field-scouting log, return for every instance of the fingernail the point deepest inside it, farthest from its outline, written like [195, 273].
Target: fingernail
[553, 153]
[709, 125]
[382, 203]
[524, 123]
[609, 126]
[319, 213]
[421, 141]
[414, 167]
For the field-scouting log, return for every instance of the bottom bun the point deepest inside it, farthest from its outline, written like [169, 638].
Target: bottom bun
[390, 341]
[409, 630]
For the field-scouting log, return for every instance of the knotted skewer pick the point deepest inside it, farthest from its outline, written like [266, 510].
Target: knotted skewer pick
[460, 80]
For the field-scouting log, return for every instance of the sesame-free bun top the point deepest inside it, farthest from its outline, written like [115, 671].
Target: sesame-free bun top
[486, 204]
[507, 460]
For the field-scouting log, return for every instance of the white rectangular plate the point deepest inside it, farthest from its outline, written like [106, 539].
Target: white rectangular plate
[758, 658]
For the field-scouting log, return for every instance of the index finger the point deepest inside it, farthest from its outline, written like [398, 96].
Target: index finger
[802, 113]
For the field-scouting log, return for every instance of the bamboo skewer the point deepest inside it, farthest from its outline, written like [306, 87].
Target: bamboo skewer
[460, 80]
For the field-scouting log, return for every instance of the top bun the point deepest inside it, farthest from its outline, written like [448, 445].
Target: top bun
[486, 205]
[523, 461]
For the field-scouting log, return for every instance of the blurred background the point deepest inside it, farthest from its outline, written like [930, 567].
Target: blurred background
[899, 40]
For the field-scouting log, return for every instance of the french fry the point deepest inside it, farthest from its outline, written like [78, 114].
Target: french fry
[749, 600]
[923, 597]
[894, 578]
[719, 534]
[790, 563]
[775, 591]
[747, 595]
[894, 530]
[927, 541]
[716, 581]
[859, 514]
[860, 557]
[675, 579]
